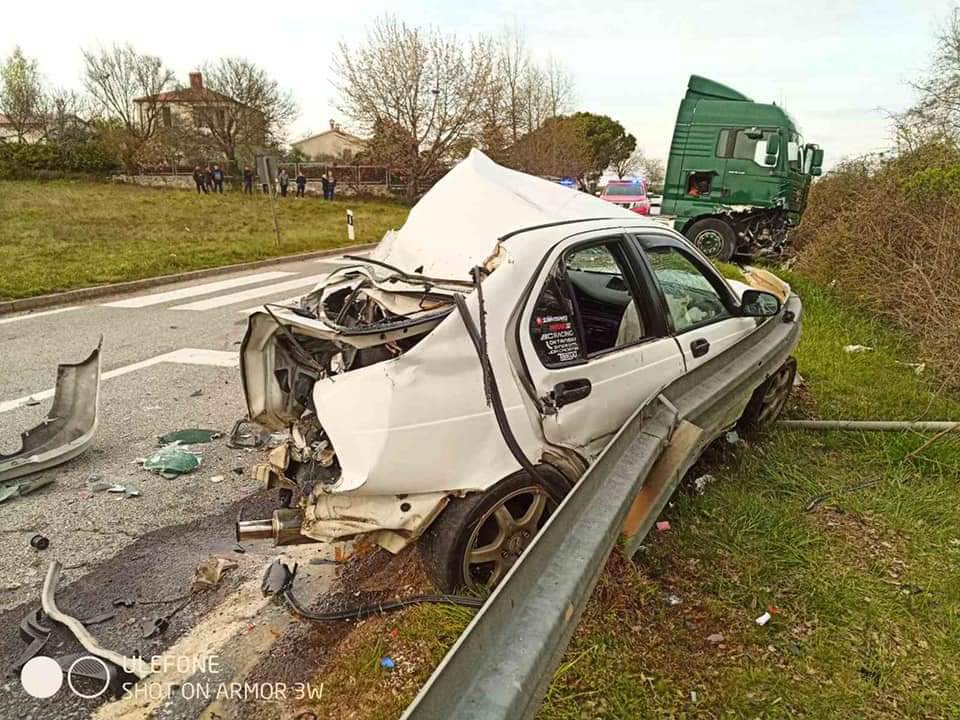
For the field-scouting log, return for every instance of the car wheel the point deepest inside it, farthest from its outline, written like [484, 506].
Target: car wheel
[714, 238]
[478, 538]
[768, 400]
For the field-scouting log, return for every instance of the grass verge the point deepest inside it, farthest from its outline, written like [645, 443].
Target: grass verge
[62, 234]
[863, 585]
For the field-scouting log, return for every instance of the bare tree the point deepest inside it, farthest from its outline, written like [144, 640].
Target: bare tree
[126, 86]
[652, 169]
[21, 94]
[425, 86]
[559, 88]
[66, 116]
[246, 109]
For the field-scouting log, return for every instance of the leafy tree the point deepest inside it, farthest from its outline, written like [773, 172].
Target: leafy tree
[21, 94]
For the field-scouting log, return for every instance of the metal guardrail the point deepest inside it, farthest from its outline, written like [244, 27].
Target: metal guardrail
[503, 663]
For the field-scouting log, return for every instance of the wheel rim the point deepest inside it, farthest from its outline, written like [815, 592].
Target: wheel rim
[502, 534]
[776, 395]
[710, 242]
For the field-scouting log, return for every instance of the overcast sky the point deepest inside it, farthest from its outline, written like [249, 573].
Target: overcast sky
[838, 66]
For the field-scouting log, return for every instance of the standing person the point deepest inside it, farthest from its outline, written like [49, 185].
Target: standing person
[208, 178]
[301, 184]
[333, 187]
[325, 181]
[247, 180]
[198, 179]
[217, 175]
[283, 179]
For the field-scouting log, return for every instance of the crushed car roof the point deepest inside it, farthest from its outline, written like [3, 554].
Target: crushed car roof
[456, 225]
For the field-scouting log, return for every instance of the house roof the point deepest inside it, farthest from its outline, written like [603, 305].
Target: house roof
[188, 96]
[331, 131]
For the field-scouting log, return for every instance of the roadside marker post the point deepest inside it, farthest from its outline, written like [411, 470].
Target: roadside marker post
[350, 232]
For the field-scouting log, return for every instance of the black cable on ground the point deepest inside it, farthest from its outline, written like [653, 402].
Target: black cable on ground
[279, 578]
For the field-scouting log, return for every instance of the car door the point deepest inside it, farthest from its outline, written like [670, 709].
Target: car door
[700, 307]
[595, 344]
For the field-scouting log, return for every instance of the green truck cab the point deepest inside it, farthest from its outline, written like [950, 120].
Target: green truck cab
[738, 173]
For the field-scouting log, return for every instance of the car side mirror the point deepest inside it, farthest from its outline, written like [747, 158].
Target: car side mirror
[817, 163]
[816, 172]
[757, 303]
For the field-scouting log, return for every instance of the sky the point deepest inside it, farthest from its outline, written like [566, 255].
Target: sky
[838, 66]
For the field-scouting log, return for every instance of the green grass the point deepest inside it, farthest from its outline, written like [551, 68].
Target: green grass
[62, 235]
[866, 583]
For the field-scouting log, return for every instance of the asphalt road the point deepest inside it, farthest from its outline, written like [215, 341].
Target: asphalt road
[169, 362]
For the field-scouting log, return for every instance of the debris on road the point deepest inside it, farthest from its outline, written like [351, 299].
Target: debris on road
[154, 626]
[217, 479]
[673, 600]
[387, 663]
[35, 633]
[39, 542]
[22, 487]
[918, 368]
[663, 525]
[246, 434]
[172, 460]
[209, 573]
[857, 348]
[189, 436]
[68, 428]
[732, 437]
[701, 482]
[763, 619]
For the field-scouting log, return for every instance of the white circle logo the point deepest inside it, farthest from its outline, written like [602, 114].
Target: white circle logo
[41, 677]
[86, 659]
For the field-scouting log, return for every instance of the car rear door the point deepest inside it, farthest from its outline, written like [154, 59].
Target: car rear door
[594, 341]
[700, 307]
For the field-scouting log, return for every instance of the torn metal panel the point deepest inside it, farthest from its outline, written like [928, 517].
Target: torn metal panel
[68, 428]
[136, 666]
[393, 520]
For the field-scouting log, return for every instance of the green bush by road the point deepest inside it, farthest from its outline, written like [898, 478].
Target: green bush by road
[61, 235]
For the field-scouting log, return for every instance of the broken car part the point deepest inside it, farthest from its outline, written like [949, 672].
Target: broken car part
[21, 487]
[278, 581]
[245, 434]
[136, 666]
[36, 634]
[172, 460]
[68, 428]
[189, 436]
[39, 542]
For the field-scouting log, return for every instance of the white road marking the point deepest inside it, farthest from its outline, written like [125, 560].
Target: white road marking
[257, 308]
[194, 290]
[183, 356]
[221, 300]
[30, 316]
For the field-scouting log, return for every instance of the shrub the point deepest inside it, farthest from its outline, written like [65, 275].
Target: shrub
[887, 234]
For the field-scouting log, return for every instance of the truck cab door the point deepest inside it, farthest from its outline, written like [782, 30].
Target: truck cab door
[594, 343]
[700, 307]
[747, 173]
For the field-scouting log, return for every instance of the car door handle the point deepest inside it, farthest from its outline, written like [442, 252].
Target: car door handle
[570, 391]
[699, 347]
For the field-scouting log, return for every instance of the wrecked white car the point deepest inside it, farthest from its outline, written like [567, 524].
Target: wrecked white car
[454, 385]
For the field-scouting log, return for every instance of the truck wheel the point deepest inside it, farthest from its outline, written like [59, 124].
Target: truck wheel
[478, 538]
[768, 400]
[714, 238]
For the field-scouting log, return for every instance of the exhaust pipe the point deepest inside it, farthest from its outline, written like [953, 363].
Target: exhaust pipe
[283, 528]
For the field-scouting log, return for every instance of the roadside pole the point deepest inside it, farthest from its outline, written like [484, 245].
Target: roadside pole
[350, 232]
[267, 170]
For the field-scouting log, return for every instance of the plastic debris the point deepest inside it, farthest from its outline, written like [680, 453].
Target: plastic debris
[798, 380]
[172, 460]
[19, 488]
[918, 368]
[217, 479]
[732, 437]
[387, 663]
[211, 571]
[763, 619]
[701, 482]
[663, 525]
[31, 401]
[857, 348]
[189, 436]
[715, 638]
[39, 542]
[673, 600]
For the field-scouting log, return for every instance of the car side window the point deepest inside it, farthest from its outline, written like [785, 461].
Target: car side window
[586, 306]
[691, 299]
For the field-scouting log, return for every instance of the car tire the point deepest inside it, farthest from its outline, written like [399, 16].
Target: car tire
[768, 400]
[714, 238]
[477, 526]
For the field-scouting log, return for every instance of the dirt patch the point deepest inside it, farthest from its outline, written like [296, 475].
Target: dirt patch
[864, 541]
